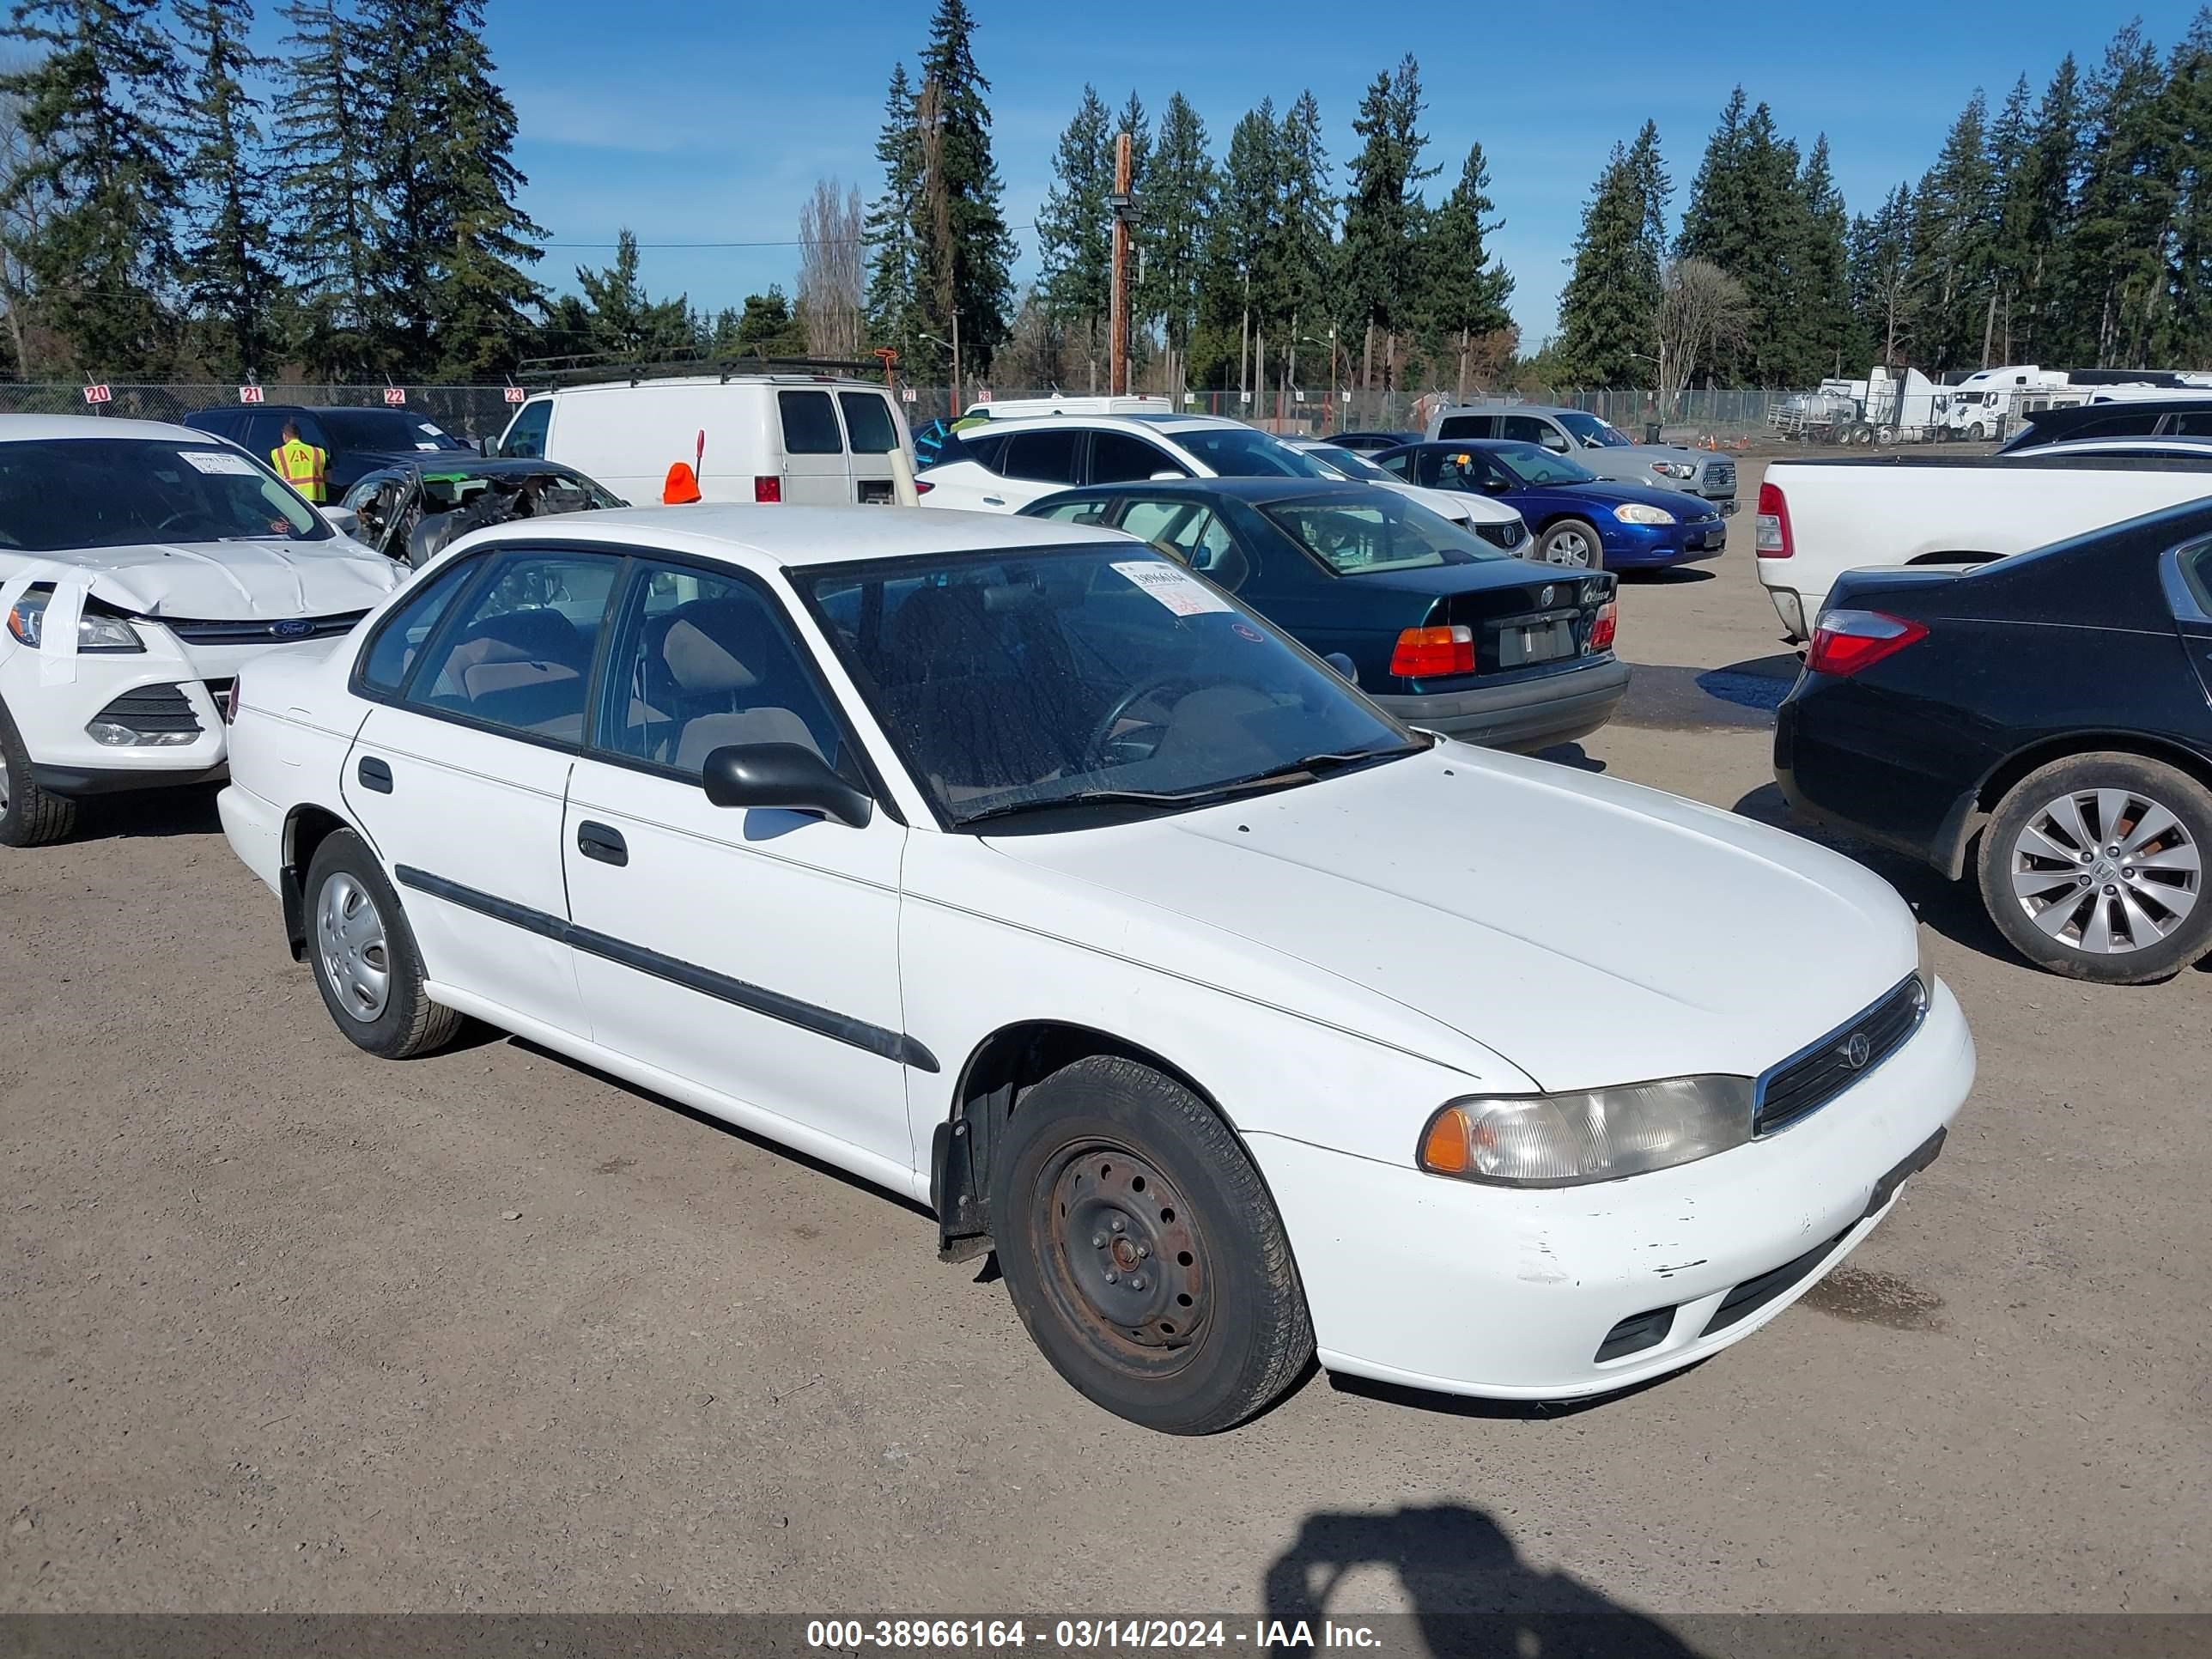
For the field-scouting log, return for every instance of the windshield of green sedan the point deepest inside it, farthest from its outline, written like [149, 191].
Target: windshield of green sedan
[1038, 684]
[1533, 463]
[1598, 434]
[1380, 532]
[61, 494]
[1240, 451]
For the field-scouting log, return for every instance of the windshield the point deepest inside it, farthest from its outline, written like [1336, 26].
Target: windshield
[60, 494]
[1345, 465]
[393, 431]
[1240, 451]
[1041, 683]
[1598, 434]
[1377, 533]
[1533, 463]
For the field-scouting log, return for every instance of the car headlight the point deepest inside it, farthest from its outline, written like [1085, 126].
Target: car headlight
[27, 622]
[1638, 512]
[1675, 469]
[1593, 1134]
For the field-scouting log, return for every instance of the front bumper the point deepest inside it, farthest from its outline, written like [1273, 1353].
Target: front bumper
[1530, 713]
[1652, 547]
[1508, 1294]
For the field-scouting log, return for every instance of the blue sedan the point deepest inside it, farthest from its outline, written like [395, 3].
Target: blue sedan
[1578, 519]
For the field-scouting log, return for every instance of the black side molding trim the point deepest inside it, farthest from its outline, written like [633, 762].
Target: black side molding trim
[807, 1016]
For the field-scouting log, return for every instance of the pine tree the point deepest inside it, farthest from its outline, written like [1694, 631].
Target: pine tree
[229, 253]
[1712, 222]
[1609, 306]
[2116, 257]
[2187, 122]
[1747, 216]
[331, 219]
[1881, 275]
[1234, 282]
[1075, 227]
[1174, 226]
[1953, 242]
[2012, 229]
[1300, 252]
[967, 253]
[1819, 276]
[621, 319]
[893, 250]
[98, 106]
[1654, 187]
[1464, 289]
[2050, 176]
[1382, 204]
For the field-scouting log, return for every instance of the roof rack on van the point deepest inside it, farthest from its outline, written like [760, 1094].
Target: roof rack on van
[589, 367]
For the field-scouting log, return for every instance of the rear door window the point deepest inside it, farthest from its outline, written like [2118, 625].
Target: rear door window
[1042, 457]
[868, 422]
[1118, 457]
[1467, 426]
[810, 423]
[1530, 429]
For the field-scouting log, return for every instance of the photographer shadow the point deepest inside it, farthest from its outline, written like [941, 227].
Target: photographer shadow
[1472, 1594]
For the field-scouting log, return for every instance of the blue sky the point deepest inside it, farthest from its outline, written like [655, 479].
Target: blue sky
[703, 123]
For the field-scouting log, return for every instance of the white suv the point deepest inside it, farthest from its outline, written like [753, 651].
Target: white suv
[1004, 466]
[141, 567]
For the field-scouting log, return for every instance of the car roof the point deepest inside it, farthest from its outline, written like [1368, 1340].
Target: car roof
[2171, 443]
[25, 429]
[773, 537]
[1166, 425]
[1498, 408]
[839, 382]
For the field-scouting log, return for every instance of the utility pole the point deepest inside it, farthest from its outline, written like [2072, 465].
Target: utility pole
[1125, 213]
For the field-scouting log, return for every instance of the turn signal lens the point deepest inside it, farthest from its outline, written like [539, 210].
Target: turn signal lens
[1847, 642]
[1444, 1149]
[1425, 653]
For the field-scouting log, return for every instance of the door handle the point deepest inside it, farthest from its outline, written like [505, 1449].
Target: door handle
[374, 775]
[994, 500]
[597, 841]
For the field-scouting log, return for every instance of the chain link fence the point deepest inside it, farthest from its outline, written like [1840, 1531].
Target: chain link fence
[474, 412]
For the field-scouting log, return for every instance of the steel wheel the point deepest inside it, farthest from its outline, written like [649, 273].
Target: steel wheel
[2105, 872]
[1131, 1273]
[355, 956]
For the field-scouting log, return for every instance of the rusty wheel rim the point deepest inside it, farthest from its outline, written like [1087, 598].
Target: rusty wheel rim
[1126, 1266]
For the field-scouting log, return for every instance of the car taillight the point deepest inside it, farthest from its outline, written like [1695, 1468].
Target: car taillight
[1606, 625]
[1845, 642]
[768, 488]
[922, 486]
[1425, 653]
[1774, 540]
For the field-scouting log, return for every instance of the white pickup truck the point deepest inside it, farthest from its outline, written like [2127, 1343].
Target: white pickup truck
[1818, 518]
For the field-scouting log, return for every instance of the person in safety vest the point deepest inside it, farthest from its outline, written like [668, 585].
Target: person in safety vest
[302, 465]
[683, 485]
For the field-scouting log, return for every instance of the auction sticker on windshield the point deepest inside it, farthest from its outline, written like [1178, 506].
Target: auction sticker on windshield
[219, 461]
[1173, 587]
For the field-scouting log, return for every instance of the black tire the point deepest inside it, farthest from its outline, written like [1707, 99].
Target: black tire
[29, 816]
[406, 1022]
[1119, 1193]
[1975, 431]
[1564, 533]
[2116, 923]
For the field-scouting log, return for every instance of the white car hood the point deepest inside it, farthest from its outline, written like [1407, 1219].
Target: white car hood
[1458, 504]
[1589, 930]
[219, 581]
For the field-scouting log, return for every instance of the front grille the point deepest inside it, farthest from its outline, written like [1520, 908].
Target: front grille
[1510, 533]
[151, 709]
[283, 631]
[1720, 475]
[1815, 1075]
[1749, 1297]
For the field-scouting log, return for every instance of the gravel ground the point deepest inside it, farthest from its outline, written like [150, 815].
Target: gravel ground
[273, 1342]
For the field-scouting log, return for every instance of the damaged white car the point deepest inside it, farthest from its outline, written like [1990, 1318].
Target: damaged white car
[141, 566]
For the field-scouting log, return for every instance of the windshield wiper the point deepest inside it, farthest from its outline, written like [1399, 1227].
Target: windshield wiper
[1091, 797]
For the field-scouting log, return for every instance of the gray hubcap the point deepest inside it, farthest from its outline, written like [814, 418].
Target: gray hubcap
[2105, 872]
[350, 939]
[1568, 547]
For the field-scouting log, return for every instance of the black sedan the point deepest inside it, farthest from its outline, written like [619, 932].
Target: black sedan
[1442, 629]
[2043, 721]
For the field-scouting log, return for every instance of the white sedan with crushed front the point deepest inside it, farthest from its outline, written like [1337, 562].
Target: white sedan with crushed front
[1014, 867]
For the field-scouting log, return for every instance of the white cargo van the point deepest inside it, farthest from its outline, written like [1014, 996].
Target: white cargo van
[810, 439]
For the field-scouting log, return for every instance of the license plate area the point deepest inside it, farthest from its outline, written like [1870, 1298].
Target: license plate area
[1546, 636]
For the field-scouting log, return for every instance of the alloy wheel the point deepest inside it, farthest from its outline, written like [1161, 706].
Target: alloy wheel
[1568, 548]
[349, 938]
[2107, 872]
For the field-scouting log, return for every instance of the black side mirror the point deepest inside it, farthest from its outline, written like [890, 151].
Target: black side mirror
[1348, 670]
[487, 446]
[1495, 486]
[789, 776]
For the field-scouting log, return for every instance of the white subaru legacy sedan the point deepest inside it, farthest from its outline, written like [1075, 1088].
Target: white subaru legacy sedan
[1014, 867]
